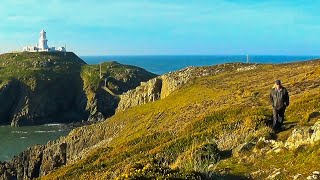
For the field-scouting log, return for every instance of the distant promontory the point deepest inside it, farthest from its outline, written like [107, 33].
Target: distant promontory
[47, 87]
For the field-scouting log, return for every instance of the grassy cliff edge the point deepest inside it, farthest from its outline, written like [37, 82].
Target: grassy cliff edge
[191, 133]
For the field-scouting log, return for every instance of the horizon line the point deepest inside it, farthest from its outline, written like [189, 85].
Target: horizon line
[201, 55]
[250, 55]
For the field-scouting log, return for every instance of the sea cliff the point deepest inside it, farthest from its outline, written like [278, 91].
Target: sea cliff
[39, 88]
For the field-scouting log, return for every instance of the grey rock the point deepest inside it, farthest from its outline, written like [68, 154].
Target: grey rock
[303, 136]
[162, 86]
[96, 117]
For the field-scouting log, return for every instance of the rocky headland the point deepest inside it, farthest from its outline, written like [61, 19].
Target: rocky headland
[39, 88]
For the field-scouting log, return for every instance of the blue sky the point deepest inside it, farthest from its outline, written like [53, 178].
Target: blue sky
[141, 27]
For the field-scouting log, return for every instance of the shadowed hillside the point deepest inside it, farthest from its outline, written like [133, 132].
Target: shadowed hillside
[40, 88]
[45, 87]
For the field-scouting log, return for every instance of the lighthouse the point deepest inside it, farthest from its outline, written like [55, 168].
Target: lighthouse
[43, 42]
[42, 46]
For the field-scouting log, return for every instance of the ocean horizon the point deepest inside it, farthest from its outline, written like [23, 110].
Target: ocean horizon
[161, 64]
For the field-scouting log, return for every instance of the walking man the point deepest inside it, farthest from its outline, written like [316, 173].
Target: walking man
[279, 99]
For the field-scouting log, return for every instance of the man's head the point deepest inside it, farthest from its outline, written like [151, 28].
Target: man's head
[278, 84]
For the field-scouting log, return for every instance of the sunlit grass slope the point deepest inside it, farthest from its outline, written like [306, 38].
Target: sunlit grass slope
[196, 127]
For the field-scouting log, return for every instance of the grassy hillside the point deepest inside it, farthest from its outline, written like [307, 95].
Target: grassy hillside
[114, 72]
[38, 67]
[191, 133]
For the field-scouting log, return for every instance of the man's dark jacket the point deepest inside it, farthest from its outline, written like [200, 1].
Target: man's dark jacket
[279, 98]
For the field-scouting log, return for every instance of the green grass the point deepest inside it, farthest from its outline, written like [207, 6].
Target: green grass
[25, 66]
[113, 71]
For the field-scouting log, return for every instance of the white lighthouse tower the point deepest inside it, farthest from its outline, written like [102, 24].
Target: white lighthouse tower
[43, 42]
[43, 45]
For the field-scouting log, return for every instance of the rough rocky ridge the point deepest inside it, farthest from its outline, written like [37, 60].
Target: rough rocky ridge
[162, 86]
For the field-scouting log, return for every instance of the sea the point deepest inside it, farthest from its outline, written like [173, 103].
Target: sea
[14, 140]
[161, 64]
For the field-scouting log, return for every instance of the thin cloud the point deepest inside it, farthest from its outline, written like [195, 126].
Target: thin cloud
[164, 24]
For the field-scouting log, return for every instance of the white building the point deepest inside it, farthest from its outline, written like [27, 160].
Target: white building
[43, 45]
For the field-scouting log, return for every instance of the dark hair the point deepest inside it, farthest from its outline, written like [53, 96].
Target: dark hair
[278, 82]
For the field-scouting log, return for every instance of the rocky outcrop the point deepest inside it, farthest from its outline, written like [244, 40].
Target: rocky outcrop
[303, 136]
[299, 137]
[27, 164]
[101, 103]
[147, 92]
[247, 68]
[53, 155]
[6, 171]
[35, 161]
[159, 87]
[315, 175]
[162, 86]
